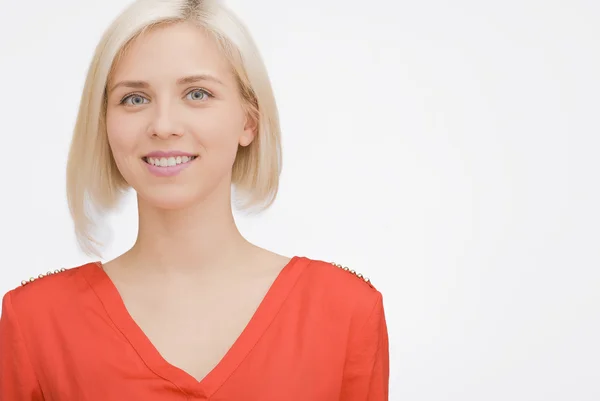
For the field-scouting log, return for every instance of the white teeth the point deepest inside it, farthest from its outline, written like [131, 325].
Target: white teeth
[168, 161]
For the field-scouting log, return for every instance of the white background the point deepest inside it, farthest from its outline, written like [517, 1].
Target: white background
[446, 149]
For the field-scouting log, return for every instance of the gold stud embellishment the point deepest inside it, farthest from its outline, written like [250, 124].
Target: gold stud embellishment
[32, 279]
[360, 276]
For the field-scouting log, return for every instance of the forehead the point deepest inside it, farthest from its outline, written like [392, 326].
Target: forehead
[171, 51]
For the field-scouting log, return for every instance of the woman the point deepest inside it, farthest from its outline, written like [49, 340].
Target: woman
[178, 106]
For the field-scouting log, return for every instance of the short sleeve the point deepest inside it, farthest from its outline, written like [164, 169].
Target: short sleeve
[366, 373]
[17, 378]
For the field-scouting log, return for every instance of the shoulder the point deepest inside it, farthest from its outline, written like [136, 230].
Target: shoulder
[340, 286]
[340, 276]
[49, 290]
[348, 293]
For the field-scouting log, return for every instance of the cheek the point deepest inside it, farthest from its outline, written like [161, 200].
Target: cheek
[121, 136]
[220, 132]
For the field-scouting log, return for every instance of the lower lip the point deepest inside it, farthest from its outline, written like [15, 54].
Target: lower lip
[168, 171]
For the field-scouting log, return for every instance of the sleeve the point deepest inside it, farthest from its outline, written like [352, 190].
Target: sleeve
[366, 373]
[17, 378]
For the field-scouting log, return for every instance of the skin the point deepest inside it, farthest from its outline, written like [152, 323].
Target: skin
[189, 257]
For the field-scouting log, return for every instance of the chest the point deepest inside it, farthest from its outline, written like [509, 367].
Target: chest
[193, 328]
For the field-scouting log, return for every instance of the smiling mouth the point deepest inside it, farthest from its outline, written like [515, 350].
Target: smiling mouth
[168, 161]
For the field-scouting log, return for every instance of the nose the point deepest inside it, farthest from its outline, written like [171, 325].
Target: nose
[165, 122]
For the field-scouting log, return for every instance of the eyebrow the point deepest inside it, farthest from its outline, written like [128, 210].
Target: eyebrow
[181, 81]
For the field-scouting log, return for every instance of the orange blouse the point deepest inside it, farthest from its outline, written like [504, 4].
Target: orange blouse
[319, 334]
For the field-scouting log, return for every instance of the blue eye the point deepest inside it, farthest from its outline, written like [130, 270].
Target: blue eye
[199, 94]
[135, 98]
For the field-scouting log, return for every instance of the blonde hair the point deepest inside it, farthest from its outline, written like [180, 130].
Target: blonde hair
[94, 183]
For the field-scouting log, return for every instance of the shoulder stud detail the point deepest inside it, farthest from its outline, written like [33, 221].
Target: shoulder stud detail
[360, 276]
[32, 279]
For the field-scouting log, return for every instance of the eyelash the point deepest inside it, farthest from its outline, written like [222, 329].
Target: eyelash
[207, 93]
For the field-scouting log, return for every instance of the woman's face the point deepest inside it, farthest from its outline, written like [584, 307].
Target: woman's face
[175, 117]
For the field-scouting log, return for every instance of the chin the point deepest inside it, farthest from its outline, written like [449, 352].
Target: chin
[170, 200]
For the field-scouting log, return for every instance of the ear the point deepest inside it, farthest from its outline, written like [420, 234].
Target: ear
[250, 130]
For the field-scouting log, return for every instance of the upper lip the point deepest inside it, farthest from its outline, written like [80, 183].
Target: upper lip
[169, 153]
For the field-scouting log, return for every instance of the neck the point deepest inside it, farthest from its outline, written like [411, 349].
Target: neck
[202, 236]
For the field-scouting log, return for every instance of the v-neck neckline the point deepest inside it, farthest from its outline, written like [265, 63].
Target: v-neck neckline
[114, 305]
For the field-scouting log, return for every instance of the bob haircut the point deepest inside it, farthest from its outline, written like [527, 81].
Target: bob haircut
[94, 183]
